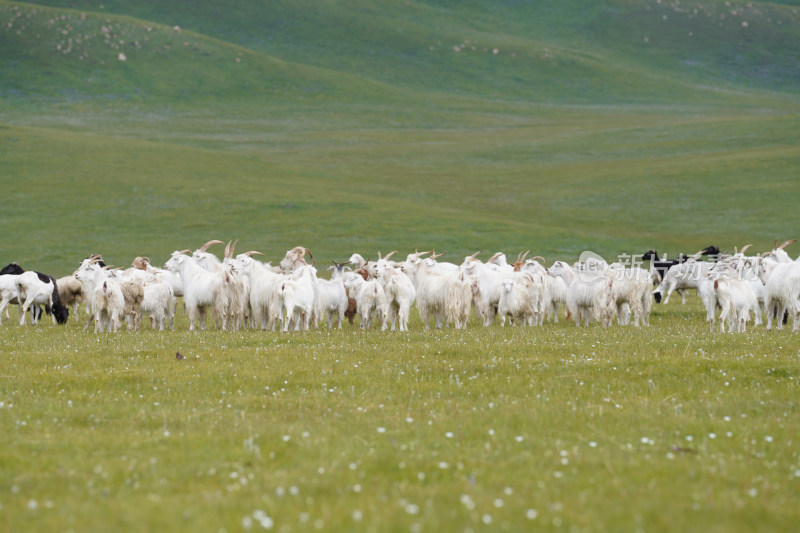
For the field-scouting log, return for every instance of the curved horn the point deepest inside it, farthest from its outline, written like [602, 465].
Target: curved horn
[434, 255]
[208, 244]
[475, 255]
[251, 253]
[233, 248]
[309, 253]
[735, 250]
[227, 252]
[390, 254]
[744, 248]
[535, 257]
[525, 255]
[786, 243]
[418, 254]
[186, 251]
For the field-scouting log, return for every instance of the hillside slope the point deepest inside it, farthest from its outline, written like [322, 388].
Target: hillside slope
[617, 51]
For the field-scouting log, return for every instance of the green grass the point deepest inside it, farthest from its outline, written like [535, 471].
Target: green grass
[356, 126]
[668, 427]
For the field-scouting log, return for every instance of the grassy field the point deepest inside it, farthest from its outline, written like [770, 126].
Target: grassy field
[139, 128]
[665, 428]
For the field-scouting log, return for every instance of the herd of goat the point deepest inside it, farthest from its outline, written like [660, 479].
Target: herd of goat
[241, 291]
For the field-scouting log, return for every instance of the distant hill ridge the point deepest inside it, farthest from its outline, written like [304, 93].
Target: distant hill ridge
[615, 51]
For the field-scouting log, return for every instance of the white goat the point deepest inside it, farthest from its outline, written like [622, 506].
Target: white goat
[682, 276]
[587, 292]
[516, 300]
[158, 303]
[488, 280]
[331, 296]
[632, 287]
[8, 293]
[370, 299]
[107, 303]
[34, 288]
[439, 294]
[736, 298]
[782, 285]
[265, 281]
[299, 293]
[201, 289]
[399, 290]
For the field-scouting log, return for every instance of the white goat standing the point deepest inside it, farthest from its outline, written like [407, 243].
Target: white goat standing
[265, 298]
[447, 296]
[331, 295]
[685, 275]
[736, 298]
[107, 303]
[35, 289]
[299, 293]
[159, 303]
[516, 300]
[370, 298]
[587, 292]
[8, 293]
[487, 278]
[399, 290]
[201, 289]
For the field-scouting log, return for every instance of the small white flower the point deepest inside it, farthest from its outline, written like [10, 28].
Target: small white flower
[531, 514]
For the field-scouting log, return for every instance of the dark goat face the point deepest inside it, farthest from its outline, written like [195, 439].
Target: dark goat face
[13, 268]
[710, 250]
[650, 255]
[657, 296]
[61, 313]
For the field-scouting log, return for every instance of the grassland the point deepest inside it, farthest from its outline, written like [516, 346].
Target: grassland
[555, 428]
[346, 126]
